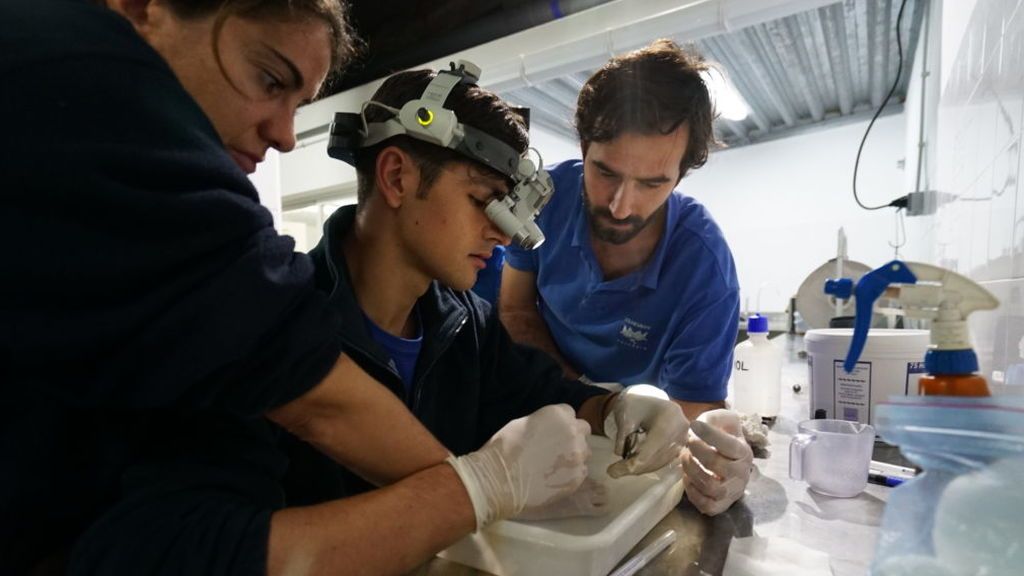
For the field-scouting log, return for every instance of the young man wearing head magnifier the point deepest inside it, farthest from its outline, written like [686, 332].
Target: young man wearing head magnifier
[444, 176]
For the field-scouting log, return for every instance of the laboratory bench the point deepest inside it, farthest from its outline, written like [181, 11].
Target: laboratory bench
[846, 529]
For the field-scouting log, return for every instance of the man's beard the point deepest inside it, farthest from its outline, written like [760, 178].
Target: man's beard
[617, 234]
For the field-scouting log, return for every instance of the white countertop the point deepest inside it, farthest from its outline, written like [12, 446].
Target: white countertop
[775, 506]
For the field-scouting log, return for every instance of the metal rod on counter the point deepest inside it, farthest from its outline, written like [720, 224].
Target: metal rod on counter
[643, 557]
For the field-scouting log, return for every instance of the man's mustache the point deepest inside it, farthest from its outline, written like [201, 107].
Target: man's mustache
[606, 214]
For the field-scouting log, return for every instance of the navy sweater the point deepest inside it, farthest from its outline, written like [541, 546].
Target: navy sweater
[149, 313]
[470, 380]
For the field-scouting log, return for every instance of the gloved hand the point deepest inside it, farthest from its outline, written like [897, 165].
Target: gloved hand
[529, 463]
[717, 462]
[648, 408]
[590, 499]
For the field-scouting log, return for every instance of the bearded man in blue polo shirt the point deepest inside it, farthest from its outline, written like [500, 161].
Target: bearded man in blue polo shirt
[635, 282]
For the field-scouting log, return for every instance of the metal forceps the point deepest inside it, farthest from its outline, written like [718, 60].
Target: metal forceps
[632, 443]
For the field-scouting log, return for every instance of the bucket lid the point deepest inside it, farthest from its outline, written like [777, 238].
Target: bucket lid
[879, 341]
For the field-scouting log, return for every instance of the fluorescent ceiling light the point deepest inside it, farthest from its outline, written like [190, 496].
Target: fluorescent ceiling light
[728, 102]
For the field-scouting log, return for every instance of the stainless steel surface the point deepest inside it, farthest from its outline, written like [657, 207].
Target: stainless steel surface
[642, 558]
[844, 528]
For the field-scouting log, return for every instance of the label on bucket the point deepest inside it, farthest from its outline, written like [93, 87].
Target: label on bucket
[914, 372]
[852, 392]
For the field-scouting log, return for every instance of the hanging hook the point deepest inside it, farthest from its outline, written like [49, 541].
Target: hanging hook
[522, 71]
[723, 20]
[899, 232]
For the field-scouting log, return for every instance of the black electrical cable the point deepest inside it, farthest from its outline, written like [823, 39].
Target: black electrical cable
[899, 70]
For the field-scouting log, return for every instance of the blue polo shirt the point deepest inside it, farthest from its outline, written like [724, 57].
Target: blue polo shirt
[671, 323]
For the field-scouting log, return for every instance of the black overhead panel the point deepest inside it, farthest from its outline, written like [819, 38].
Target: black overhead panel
[401, 34]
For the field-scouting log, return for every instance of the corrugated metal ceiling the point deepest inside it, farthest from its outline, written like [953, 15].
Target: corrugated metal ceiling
[815, 67]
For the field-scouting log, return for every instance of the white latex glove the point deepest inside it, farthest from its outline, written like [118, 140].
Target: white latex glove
[717, 462]
[531, 462]
[590, 499]
[645, 407]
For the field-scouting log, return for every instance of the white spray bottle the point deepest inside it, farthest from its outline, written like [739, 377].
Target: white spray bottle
[925, 291]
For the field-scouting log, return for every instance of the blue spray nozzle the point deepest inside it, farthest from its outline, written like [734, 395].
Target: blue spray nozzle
[840, 288]
[868, 289]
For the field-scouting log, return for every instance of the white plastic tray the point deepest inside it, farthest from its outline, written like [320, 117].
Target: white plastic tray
[576, 546]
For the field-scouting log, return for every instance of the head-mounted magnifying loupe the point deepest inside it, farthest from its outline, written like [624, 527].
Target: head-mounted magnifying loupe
[426, 119]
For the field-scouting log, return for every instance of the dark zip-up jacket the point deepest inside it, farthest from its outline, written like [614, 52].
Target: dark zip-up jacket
[471, 378]
[149, 314]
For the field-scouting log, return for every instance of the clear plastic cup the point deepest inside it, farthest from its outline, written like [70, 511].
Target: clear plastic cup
[832, 456]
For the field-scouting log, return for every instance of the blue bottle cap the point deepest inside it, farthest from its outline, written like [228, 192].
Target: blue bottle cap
[950, 362]
[757, 323]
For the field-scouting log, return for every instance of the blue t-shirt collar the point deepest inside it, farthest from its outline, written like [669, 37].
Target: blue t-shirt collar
[403, 353]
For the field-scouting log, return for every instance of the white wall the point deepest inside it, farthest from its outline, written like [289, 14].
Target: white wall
[781, 204]
[921, 104]
[309, 168]
[553, 147]
[306, 225]
[956, 15]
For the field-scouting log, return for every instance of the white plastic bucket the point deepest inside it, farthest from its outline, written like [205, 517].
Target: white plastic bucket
[890, 365]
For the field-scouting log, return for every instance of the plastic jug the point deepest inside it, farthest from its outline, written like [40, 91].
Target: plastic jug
[832, 456]
[757, 371]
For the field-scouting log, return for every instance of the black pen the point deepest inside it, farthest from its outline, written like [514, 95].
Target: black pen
[883, 480]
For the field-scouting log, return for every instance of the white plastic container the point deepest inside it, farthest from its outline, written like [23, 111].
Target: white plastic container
[757, 371]
[585, 546]
[891, 364]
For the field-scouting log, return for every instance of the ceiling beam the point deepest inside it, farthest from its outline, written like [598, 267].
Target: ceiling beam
[836, 41]
[774, 80]
[796, 66]
[720, 52]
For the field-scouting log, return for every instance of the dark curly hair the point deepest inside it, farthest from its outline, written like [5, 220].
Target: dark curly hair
[651, 90]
